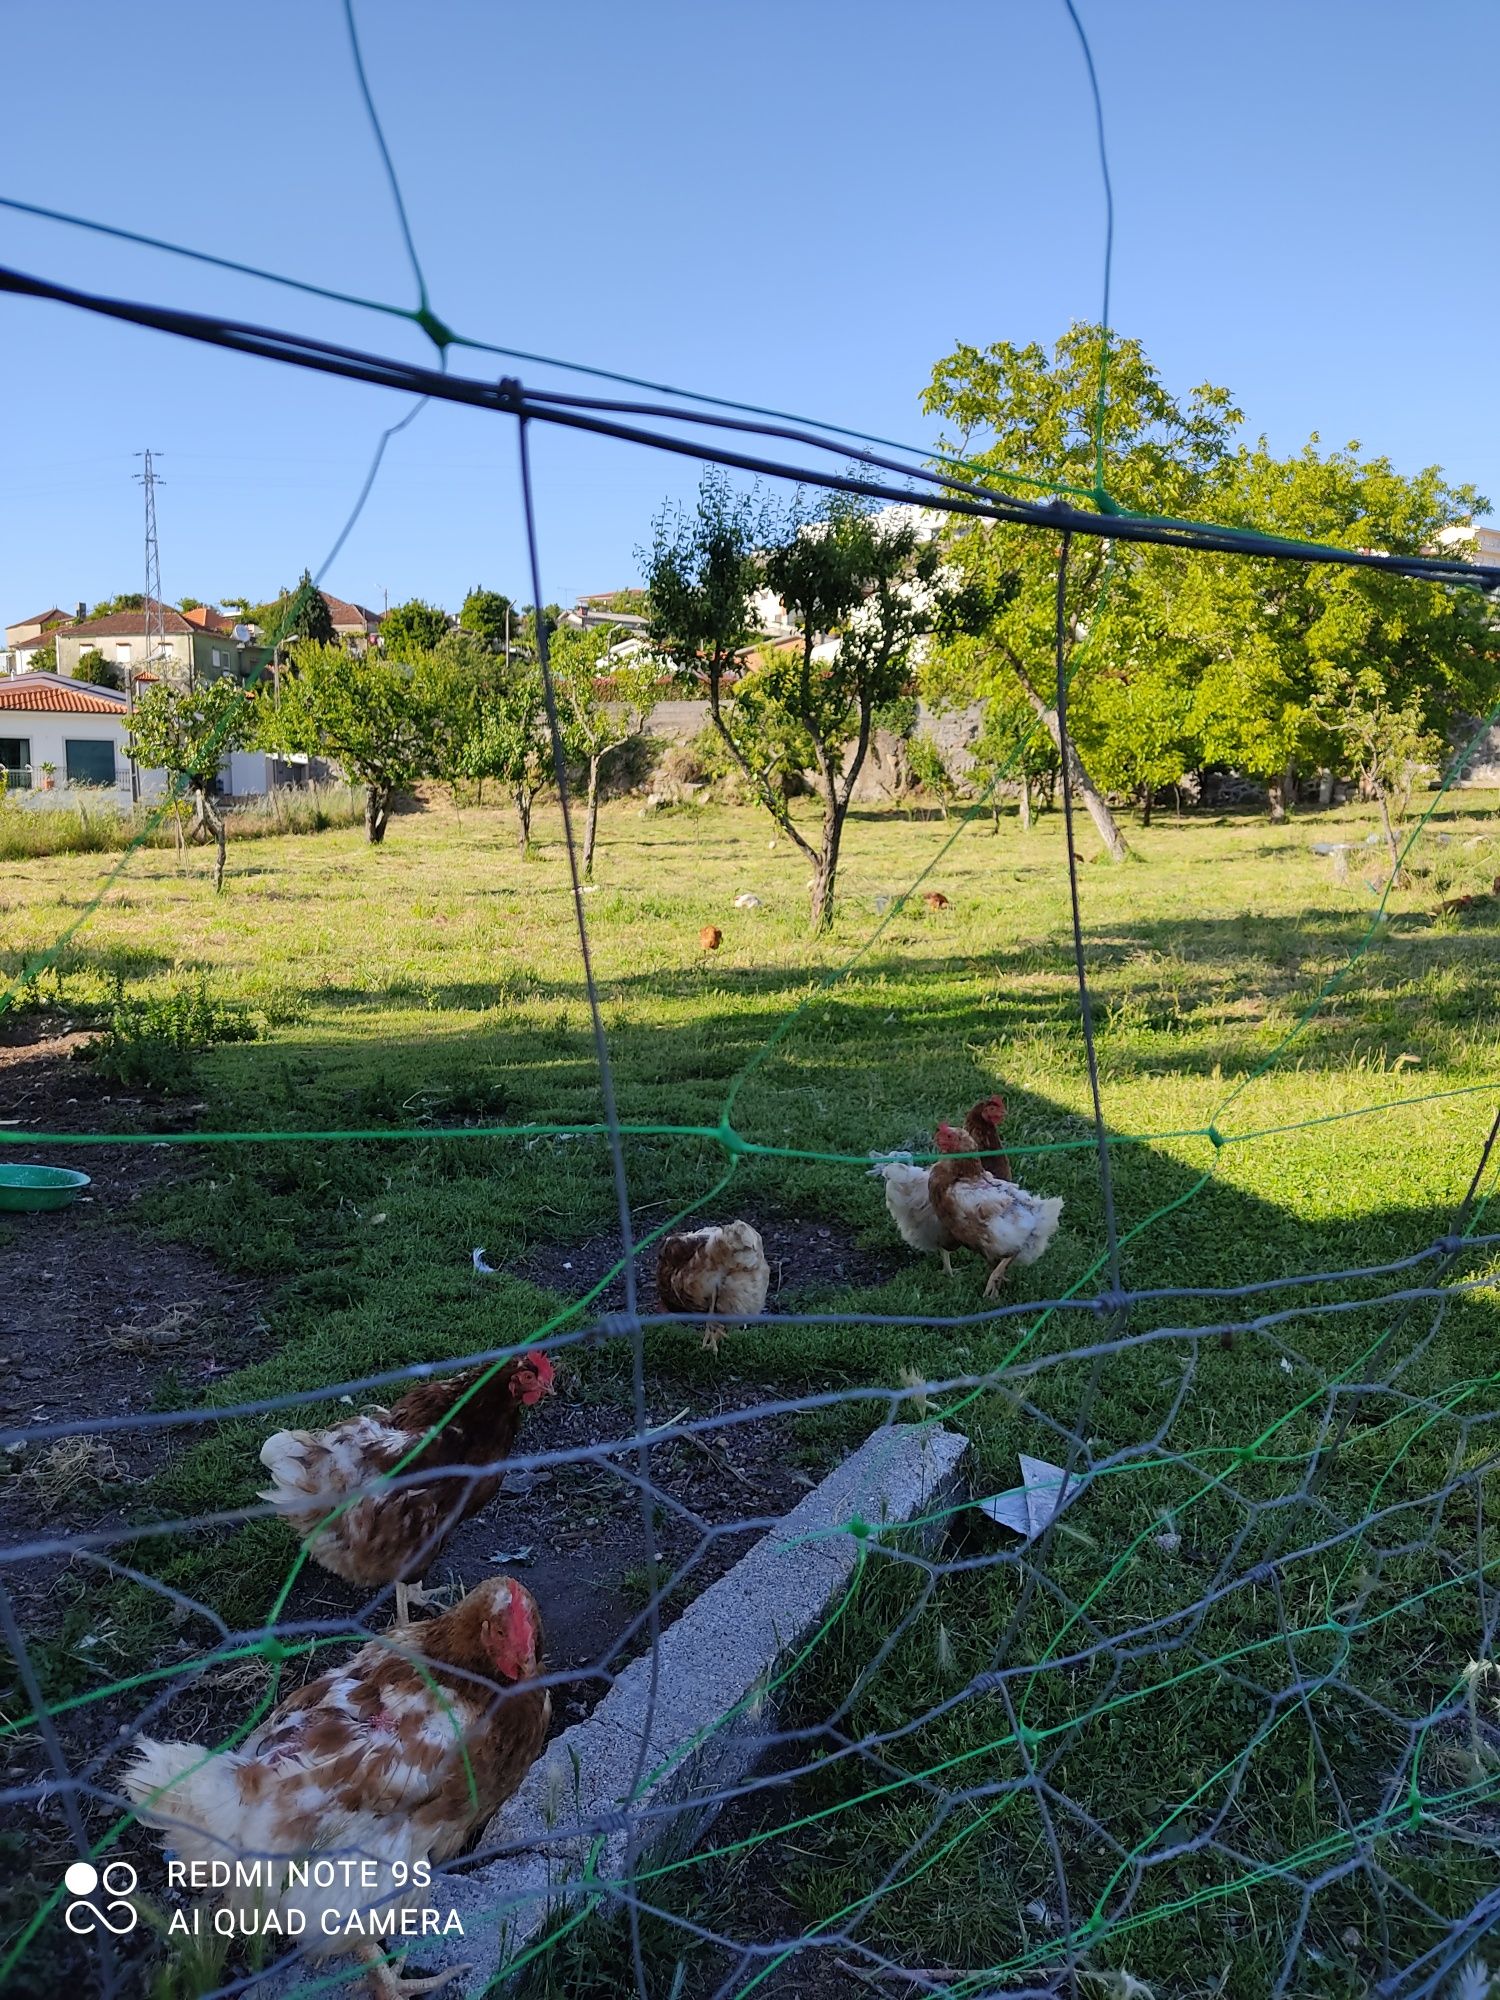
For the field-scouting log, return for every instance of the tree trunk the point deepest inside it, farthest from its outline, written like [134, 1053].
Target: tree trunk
[207, 817]
[1082, 783]
[1147, 800]
[1025, 805]
[1325, 788]
[591, 820]
[1275, 792]
[377, 812]
[826, 872]
[523, 818]
[1398, 876]
[1289, 788]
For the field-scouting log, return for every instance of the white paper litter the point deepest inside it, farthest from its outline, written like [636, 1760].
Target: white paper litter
[488, 1270]
[1027, 1509]
[747, 902]
[507, 1556]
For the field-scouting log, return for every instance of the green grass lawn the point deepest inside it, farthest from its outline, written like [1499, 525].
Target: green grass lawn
[1208, 1697]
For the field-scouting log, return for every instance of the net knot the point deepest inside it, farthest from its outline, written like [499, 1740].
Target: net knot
[1450, 1245]
[1214, 1136]
[730, 1140]
[619, 1325]
[859, 1527]
[440, 335]
[271, 1649]
[1108, 1304]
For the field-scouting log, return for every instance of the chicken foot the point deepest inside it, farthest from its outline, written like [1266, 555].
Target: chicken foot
[712, 1335]
[409, 1594]
[998, 1276]
[386, 1983]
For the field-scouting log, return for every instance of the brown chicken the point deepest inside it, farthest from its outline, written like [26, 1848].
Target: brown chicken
[935, 900]
[396, 1758]
[390, 1535]
[720, 1270]
[983, 1127]
[710, 937]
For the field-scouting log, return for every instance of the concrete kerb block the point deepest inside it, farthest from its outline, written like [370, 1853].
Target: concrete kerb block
[715, 1705]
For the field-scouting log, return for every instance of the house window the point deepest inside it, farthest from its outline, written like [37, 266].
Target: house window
[89, 762]
[217, 660]
[122, 652]
[15, 762]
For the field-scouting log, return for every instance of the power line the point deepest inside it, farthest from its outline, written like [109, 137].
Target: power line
[935, 490]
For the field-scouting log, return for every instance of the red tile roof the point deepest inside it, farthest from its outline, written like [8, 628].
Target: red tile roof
[344, 613]
[208, 620]
[42, 618]
[45, 699]
[127, 625]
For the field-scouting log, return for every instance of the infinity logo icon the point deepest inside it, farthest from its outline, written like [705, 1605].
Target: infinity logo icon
[117, 1880]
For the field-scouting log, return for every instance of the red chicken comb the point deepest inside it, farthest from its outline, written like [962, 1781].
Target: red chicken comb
[532, 1376]
[519, 1628]
[991, 1109]
[951, 1141]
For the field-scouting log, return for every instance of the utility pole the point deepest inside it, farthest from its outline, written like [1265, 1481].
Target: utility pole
[155, 616]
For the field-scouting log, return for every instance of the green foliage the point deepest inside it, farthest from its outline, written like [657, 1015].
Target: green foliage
[94, 668]
[488, 615]
[601, 702]
[128, 600]
[187, 731]
[1297, 660]
[701, 570]
[865, 584]
[372, 717]
[409, 630]
[44, 659]
[1196, 659]
[146, 1043]
[303, 616]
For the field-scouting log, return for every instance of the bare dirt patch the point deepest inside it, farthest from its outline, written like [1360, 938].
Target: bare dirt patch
[96, 1316]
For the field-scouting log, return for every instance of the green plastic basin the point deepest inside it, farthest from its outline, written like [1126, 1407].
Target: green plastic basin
[39, 1187]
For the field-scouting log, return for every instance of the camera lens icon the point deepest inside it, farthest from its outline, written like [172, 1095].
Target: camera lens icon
[116, 1880]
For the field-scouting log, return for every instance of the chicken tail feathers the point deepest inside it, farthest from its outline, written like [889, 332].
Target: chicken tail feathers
[285, 1457]
[1049, 1214]
[180, 1785]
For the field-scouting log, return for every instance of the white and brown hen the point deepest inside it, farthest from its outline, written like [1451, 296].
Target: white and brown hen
[389, 1534]
[394, 1760]
[1002, 1221]
[720, 1271]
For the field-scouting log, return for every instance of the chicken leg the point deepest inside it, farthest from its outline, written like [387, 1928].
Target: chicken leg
[947, 1264]
[409, 1594]
[712, 1335]
[386, 1983]
[997, 1277]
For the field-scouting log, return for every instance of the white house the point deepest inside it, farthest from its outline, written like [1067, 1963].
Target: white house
[79, 730]
[72, 727]
[28, 635]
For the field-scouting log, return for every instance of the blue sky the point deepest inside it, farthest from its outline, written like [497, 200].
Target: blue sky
[803, 203]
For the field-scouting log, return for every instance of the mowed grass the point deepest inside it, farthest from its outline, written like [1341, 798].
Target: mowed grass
[1226, 1721]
